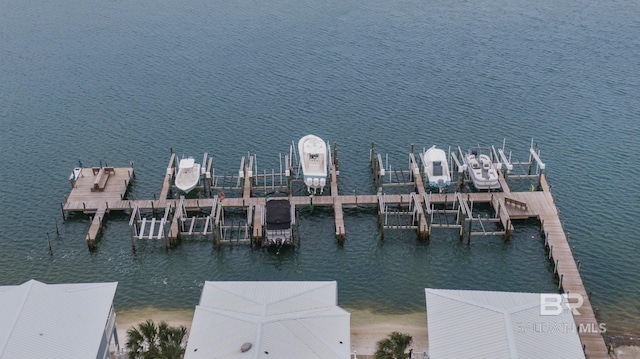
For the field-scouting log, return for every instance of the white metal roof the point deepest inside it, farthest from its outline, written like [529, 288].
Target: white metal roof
[279, 320]
[484, 324]
[40, 320]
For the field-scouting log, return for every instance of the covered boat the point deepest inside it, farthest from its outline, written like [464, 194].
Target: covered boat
[314, 162]
[188, 174]
[481, 170]
[278, 223]
[436, 168]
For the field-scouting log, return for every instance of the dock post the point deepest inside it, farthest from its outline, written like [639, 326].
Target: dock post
[56, 222]
[62, 211]
[560, 283]
[49, 241]
[539, 185]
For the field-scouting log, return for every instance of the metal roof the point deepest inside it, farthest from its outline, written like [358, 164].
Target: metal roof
[40, 320]
[278, 319]
[484, 324]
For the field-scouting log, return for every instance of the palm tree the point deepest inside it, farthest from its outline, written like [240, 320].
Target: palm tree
[149, 341]
[394, 346]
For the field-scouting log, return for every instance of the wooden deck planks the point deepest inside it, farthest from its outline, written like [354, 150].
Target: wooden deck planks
[567, 270]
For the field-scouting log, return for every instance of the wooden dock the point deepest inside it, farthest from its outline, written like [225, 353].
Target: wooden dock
[98, 191]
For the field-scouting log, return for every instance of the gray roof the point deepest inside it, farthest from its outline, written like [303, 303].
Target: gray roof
[484, 324]
[40, 320]
[278, 319]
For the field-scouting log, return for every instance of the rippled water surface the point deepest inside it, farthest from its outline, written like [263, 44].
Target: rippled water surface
[122, 81]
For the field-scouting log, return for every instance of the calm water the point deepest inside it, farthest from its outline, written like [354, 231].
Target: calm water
[121, 81]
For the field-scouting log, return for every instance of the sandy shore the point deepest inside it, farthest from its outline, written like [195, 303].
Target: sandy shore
[367, 328]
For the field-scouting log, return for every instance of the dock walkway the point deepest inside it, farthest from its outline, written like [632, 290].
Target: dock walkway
[113, 184]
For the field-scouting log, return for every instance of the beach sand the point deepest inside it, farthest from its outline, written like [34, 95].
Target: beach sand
[367, 328]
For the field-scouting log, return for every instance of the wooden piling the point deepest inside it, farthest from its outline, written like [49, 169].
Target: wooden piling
[49, 241]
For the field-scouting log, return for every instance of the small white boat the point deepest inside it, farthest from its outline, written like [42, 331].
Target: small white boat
[188, 174]
[481, 170]
[436, 168]
[314, 162]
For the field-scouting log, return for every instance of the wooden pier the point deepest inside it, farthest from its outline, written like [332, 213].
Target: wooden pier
[97, 191]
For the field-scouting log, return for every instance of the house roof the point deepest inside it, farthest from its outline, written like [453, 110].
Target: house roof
[40, 320]
[484, 324]
[278, 319]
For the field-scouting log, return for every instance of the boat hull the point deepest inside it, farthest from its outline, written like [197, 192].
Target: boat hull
[188, 175]
[313, 162]
[482, 172]
[436, 168]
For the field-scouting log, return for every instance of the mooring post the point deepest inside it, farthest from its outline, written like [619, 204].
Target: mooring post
[49, 241]
[356, 199]
[56, 222]
[62, 211]
[560, 282]
[539, 185]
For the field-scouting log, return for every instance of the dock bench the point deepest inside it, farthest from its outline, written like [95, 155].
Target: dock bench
[102, 176]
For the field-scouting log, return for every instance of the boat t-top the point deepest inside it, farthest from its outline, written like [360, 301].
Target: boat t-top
[436, 168]
[188, 174]
[314, 162]
[279, 220]
[481, 170]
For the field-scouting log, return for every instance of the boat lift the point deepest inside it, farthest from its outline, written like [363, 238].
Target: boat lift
[523, 170]
[459, 215]
[403, 215]
[386, 177]
[149, 228]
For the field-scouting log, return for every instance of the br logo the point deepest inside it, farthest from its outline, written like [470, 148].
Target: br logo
[554, 304]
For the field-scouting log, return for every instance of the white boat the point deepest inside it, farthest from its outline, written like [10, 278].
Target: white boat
[481, 170]
[436, 168]
[188, 174]
[314, 162]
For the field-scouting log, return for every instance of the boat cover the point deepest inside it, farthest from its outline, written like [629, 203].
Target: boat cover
[278, 213]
